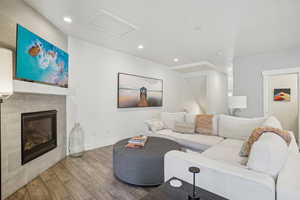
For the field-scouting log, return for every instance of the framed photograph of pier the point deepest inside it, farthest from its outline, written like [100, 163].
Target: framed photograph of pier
[40, 61]
[138, 91]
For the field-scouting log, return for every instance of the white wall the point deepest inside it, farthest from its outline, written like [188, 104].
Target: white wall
[248, 76]
[210, 91]
[285, 111]
[93, 82]
[217, 93]
[198, 87]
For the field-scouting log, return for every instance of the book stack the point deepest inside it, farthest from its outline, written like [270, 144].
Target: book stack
[137, 142]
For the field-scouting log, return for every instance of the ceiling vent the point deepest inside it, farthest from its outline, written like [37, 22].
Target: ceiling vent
[111, 24]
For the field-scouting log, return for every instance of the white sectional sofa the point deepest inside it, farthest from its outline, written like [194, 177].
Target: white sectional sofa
[195, 142]
[272, 170]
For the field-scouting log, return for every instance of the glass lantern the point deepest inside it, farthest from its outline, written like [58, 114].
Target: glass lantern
[76, 141]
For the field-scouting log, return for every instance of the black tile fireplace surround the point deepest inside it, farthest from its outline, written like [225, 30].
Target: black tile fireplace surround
[38, 134]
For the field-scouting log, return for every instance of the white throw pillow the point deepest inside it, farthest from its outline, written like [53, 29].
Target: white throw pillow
[155, 125]
[190, 118]
[215, 125]
[268, 154]
[238, 127]
[169, 119]
[272, 122]
[184, 127]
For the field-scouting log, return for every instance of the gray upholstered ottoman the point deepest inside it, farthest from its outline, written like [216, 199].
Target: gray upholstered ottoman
[144, 166]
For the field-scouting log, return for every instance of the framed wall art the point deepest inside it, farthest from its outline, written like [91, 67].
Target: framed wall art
[39, 61]
[139, 91]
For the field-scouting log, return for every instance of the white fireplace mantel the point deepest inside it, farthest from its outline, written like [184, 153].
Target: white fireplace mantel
[36, 88]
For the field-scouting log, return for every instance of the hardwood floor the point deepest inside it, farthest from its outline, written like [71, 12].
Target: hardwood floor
[87, 178]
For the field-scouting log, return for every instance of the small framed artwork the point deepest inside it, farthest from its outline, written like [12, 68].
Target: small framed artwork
[282, 94]
[139, 91]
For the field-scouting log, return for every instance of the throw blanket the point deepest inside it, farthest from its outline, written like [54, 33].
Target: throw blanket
[204, 124]
[245, 151]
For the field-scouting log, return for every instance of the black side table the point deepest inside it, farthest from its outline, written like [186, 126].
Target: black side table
[167, 192]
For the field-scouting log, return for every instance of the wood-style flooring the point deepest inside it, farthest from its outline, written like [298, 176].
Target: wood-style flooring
[87, 178]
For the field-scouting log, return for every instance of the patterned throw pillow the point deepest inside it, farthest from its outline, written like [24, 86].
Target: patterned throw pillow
[204, 124]
[246, 148]
[183, 127]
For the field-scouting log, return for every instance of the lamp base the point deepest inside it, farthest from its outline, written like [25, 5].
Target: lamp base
[193, 198]
[234, 111]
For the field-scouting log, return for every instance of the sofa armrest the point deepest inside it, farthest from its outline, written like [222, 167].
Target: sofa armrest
[293, 148]
[288, 187]
[229, 181]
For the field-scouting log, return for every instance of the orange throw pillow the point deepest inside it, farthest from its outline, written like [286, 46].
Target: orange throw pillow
[204, 124]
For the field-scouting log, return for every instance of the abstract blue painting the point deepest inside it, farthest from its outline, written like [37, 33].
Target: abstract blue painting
[39, 61]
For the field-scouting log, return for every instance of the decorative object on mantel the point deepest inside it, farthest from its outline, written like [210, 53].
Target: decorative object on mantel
[39, 61]
[194, 170]
[139, 91]
[76, 141]
[6, 85]
[236, 103]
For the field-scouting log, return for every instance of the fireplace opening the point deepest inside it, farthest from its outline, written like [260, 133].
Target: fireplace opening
[39, 134]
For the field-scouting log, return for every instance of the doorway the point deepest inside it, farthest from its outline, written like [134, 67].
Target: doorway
[281, 98]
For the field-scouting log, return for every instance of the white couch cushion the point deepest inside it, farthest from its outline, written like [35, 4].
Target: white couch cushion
[193, 141]
[288, 187]
[184, 127]
[237, 127]
[154, 125]
[268, 154]
[169, 119]
[272, 122]
[293, 148]
[190, 118]
[215, 125]
[227, 151]
[229, 181]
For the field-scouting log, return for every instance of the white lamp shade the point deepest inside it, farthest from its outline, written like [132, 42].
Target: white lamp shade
[6, 74]
[237, 102]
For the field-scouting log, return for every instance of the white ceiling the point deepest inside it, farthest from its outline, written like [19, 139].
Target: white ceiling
[191, 30]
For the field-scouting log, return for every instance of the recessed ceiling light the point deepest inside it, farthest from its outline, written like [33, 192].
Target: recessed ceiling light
[176, 59]
[68, 19]
[140, 46]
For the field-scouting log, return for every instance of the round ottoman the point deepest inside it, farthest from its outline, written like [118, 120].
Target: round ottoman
[143, 166]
